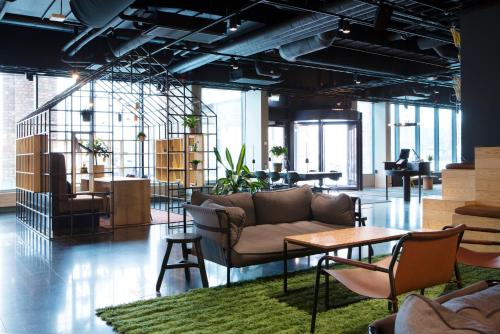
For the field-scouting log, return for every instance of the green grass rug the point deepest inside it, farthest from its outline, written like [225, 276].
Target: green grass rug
[260, 306]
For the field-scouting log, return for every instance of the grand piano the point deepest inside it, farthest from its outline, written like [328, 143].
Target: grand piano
[405, 169]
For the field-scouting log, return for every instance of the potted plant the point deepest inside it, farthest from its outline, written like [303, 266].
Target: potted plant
[193, 147]
[429, 158]
[191, 122]
[194, 163]
[141, 136]
[278, 152]
[238, 178]
[98, 149]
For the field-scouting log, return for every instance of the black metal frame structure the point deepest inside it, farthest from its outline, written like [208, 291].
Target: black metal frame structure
[135, 93]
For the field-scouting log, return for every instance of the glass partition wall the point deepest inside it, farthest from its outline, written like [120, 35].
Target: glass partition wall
[329, 145]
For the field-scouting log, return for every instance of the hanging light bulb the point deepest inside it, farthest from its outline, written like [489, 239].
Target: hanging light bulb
[234, 64]
[75, 75]
[233, 23]
[344, 26]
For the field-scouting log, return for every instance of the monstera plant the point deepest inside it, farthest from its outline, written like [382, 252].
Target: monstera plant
[238, 177]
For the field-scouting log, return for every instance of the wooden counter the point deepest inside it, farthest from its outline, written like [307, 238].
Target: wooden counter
[131, 198]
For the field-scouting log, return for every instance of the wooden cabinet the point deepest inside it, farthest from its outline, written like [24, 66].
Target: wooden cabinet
[174, 157]
[32, 163]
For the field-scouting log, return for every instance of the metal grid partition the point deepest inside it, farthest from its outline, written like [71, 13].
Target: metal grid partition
[78, 150]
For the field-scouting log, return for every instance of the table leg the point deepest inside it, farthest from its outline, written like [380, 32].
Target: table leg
[386, 189]
[327, 284]
[419, 188]
[406, 188]
[285, 267]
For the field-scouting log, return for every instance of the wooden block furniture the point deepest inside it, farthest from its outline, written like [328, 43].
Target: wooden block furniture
[173, 157]
[130, 199]
[470, 197]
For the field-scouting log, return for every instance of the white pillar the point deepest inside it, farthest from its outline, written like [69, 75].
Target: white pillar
[382, 138]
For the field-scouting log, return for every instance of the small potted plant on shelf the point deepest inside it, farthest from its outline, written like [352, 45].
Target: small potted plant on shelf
[429, 158]
[191, 122]
[141, 136]
[194, 163]
[193, 147]
[98, 149]
[279, 152]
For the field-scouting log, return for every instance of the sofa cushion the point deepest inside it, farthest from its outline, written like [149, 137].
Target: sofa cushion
[283, 206]
[420, 315]
[482, 306]
[242, 200]
[236, 218]
[337, 210]
[268, 238]
[479, 211]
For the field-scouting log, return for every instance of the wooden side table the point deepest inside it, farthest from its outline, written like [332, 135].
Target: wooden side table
[183, 239]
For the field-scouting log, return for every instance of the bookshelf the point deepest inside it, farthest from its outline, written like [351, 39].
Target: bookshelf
[31, 162]
[173, 157]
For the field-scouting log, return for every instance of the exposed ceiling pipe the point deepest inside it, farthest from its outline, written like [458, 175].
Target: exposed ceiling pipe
[3, 8]
[98, 13]
[105, 11]
[284, 33]
[27, 21]
[133, 43]
[318, 42]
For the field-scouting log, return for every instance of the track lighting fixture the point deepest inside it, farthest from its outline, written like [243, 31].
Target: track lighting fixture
[233, 23]
[356, 80]
[234, 64]
[344, 26]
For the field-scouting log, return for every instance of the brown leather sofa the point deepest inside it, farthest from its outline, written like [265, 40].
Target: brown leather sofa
[474, 309]
[243, 229]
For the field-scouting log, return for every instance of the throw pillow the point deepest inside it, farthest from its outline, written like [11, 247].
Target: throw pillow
[337, 210]
[420, 315]
[241, 200]
[236, 219]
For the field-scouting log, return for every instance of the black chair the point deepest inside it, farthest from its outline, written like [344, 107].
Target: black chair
[292, 179]
[263, 176]
[275, 177]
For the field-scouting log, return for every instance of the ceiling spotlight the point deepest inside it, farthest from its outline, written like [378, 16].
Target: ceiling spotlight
[58, 17]
[233, 23]
[75, 75]
[234, 64]
[344, 26]
[356, 80]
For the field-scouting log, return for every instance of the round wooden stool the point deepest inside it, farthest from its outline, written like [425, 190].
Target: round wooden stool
[184, 239]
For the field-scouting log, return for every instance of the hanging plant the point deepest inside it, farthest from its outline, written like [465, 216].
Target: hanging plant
[141, 136]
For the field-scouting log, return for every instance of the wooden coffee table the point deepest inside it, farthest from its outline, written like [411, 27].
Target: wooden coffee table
[334, 240]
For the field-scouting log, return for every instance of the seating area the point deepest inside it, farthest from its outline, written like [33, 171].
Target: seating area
[249, 166]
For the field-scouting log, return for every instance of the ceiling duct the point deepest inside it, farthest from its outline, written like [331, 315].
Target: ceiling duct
[307, 45]
[133, 43]
[444, 50]
[267, 70]
[273, 37]
[98, 13]
[247, 76]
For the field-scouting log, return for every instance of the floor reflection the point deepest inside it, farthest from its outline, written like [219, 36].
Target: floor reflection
[55, 287]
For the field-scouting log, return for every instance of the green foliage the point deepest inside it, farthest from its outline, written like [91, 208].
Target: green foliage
[278, 151]
[190, 121]
[98, 149]
[429, 157]
[238, 178]
[141, 134]
[195, 161]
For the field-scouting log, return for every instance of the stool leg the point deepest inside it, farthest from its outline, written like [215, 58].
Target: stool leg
[163, 265]
[201, 264]
[185, 259]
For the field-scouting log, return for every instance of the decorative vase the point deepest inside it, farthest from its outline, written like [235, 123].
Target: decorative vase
[277, 166]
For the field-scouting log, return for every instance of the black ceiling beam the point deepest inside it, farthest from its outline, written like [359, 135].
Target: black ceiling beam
[175, 21]
[216, 7]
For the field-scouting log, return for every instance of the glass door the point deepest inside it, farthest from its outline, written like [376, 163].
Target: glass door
[340, 152]
[306, 147]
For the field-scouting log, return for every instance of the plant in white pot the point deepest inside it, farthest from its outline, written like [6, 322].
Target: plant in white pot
[278, 152]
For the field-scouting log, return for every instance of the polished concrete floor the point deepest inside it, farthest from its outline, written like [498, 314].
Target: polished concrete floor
[55, 287]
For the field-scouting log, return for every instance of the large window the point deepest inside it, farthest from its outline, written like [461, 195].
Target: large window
[306, 147]
[17, 99]
[445, 138]
[366, 108]
[227, 105]
[436, 136]
[427, 134]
